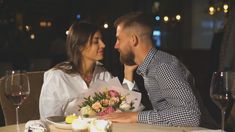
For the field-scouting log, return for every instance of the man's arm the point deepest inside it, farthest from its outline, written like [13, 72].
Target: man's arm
[177, 105]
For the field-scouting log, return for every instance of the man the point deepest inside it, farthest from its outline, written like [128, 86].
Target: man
[168, 82]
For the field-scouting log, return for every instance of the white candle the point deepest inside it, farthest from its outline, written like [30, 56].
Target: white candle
[99, 125]
[80, 125]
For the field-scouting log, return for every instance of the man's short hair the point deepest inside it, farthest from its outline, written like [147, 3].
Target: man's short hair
[136, 19]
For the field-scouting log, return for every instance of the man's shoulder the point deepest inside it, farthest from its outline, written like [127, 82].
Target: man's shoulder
[164, 57]
[164, 54]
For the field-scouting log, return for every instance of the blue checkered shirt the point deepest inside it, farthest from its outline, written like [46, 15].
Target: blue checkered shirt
[169, 86]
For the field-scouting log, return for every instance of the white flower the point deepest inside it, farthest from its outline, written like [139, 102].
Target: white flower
[87, 110]
[125, 106]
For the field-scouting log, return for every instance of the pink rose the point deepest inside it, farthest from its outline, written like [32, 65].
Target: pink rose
[113, 93]
[107, 110]
[113, 101]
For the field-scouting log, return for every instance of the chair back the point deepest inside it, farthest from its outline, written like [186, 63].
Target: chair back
[29, 110]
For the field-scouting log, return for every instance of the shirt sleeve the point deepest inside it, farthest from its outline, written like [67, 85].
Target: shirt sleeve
[130, 85]
[50, 102]
[178, 106]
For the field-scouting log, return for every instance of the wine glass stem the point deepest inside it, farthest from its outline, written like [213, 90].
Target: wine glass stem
[17, 119]
[222, 118]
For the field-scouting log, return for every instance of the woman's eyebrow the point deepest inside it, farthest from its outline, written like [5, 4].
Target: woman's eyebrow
[97, 37]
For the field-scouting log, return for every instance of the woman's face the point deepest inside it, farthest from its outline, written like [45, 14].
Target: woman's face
[94, 49]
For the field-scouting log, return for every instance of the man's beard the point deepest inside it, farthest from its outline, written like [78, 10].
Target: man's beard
[128, 59]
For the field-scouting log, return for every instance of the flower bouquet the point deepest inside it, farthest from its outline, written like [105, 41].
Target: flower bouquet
[105, 97]
[102, 103]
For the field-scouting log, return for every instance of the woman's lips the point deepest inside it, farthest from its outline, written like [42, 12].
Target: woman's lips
[101, 52]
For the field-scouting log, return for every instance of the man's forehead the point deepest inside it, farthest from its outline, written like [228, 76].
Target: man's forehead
[122, 29]
[119, 28]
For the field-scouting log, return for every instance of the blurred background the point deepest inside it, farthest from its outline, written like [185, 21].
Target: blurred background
[33, 33]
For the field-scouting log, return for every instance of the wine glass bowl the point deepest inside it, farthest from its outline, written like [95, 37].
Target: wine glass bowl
[220, 91]
[17, 89]
[232, 84]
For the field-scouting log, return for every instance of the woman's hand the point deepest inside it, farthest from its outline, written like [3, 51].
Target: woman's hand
[129, 72]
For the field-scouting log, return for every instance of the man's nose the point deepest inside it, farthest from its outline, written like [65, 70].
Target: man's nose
[116, 46]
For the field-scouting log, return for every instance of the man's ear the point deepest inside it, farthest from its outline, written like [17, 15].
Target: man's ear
[134, 39]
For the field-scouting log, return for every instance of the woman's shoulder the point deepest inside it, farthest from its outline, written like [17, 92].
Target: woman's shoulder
[54, 73]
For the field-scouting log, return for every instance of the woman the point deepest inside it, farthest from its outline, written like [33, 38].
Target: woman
[69, 80]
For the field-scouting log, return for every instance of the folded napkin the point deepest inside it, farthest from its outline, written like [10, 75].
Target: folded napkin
[35, 126]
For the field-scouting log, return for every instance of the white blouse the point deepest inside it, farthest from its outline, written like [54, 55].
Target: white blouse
[60, 88]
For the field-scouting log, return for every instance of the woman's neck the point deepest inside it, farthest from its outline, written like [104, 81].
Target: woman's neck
[87, 68]
[86, 71]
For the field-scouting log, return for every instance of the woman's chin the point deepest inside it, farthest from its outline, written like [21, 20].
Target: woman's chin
[100, 57]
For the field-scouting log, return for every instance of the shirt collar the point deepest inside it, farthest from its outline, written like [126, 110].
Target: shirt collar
[142, 68]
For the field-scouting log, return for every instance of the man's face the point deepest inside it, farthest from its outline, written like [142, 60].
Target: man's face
[123, 45]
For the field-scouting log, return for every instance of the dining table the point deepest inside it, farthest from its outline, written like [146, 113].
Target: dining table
[116, 127]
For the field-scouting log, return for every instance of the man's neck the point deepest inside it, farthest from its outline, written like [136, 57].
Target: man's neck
[142, 52]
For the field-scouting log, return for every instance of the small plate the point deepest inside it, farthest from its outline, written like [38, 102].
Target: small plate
[59, 122]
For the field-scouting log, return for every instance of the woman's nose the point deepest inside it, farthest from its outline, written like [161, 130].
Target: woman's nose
[102, 44]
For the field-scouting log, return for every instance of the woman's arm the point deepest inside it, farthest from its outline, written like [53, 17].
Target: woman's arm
[129, 77]
[50, 101]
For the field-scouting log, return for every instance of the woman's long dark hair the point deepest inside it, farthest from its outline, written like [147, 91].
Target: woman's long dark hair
[78, 36]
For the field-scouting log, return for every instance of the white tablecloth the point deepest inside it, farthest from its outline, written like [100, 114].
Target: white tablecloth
[118, 127]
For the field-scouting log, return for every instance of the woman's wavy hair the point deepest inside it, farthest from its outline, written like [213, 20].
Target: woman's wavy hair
[77, 38]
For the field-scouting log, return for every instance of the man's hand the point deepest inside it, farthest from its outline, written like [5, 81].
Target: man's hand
[129, 72]
[124, 117]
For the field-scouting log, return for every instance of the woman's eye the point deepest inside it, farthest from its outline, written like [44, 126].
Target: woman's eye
[95, 42]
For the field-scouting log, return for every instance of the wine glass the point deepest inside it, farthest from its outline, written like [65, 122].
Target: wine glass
[220, 92]
[17, 89]
[232, 84]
